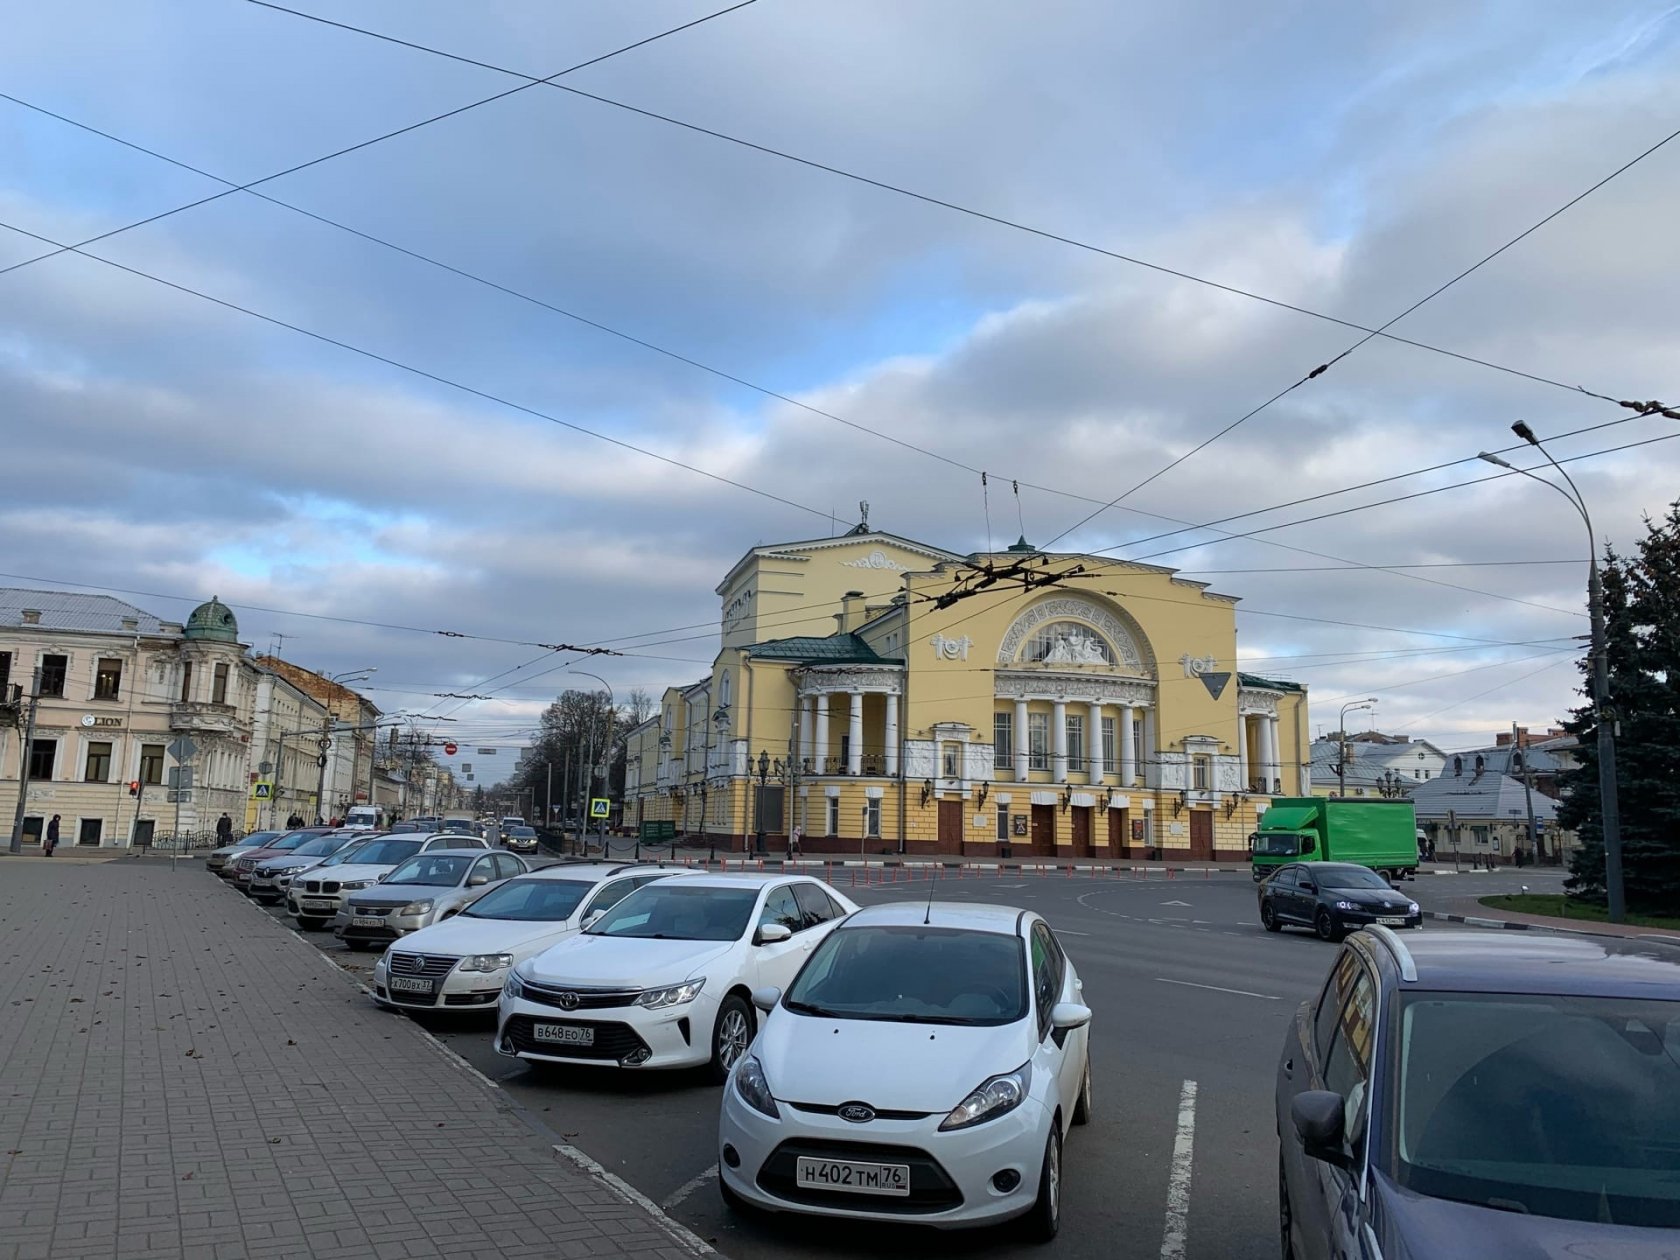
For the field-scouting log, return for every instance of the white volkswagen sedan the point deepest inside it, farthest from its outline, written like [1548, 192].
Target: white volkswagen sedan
[664, 979]
[461, 964]
[925, 1065]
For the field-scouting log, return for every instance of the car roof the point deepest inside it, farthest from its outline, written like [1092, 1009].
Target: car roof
[1003, 920]
[597, 871]
[744, 879]
[1536, 963]
[1332, 866]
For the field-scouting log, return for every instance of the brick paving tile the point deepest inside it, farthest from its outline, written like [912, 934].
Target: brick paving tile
[186, 1078]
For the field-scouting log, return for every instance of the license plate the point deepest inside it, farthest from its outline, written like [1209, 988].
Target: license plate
[409, 984]
[852, 1178]
[1393, 921]
[564, 1034]
[316, 905]
[366, 920]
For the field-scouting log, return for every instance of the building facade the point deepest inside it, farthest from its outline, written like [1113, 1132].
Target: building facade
[1376, 765]
[117, 687]
[346, 740]
[887, 696]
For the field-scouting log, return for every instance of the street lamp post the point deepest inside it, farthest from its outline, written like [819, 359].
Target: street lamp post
[1603, 715]
[606, 779]
[1341, 735]
[763, 779]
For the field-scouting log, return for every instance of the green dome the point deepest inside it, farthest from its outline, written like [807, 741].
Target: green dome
[213, 621]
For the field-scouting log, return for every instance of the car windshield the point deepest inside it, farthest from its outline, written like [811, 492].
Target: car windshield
[442, 870]
[914, 974]
[1276, 843]
[672, 910]
[256, 840]
[1558, 1106]
[1349, 877]
[535, 900]
[291, 840]
[320, 846]
[522, 831]
[386, 852]
[349, 853]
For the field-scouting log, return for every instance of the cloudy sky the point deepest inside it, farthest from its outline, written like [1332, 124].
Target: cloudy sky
[1343, 159]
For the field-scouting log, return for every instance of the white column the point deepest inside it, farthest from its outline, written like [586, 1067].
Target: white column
[1242, 752]
[804, 729]
[1150, 753]
[819, 758]
[1020, 736]
[1094, 744]
[1274, 766]
[854, 749]
[892, 733]
[1128, 759]
[1266, 754]
[1058, 741]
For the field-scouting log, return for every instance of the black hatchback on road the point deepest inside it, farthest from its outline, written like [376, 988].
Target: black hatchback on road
[1495, 1095]
[1333, 898]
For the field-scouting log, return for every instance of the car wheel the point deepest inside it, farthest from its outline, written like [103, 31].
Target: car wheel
[1257, 874]
[1082, 1104]
[311, 925]
[1268, 918]
[1326, 927]
[1286, 1216]
[1046, 1215]
[731, 1035]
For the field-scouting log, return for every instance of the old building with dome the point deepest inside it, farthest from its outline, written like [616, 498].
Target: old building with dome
[118, 687]
[884, 695]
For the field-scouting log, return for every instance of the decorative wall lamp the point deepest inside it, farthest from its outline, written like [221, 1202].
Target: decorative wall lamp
[1230, 806]
[1108, 797]
[985, 790]
[927, 790]
[1180, 801]
[1067, 799]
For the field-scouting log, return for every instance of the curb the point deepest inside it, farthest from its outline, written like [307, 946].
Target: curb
[1512, 925]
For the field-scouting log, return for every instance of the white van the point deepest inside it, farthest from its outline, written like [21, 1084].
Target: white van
[364, 818]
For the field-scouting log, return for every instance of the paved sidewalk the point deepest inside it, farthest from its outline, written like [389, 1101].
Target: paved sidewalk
[1470, 910]
[185, 1078]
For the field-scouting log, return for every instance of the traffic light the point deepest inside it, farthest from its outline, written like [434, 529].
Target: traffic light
[134, 787]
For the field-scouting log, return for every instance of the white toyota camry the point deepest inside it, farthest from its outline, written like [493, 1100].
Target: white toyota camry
[925, 1065]
[664, 979]
[462, 963]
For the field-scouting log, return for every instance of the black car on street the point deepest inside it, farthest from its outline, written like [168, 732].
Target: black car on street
[1333, 898]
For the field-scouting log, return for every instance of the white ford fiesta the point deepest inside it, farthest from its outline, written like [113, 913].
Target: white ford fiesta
[664, 979]
[925, 1065]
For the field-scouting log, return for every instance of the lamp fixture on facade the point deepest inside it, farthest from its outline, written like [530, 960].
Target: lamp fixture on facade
[927, 790]
[1230, 806]
[985, 788]
[1067, 799]
[1180, 801]
[1108, 797]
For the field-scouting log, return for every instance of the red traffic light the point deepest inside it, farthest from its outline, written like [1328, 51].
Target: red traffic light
[134, 787]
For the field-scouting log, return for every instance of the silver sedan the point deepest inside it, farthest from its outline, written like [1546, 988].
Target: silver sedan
[426, 889]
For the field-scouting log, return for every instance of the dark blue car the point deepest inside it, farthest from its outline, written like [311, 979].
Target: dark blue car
[1484, 1095]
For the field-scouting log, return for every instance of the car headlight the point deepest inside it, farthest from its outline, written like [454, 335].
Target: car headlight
[1346, 905]
[512, 988]
[416, 907]
[1411, 907]
[672, 995]
[486, 962]
[356, 884]
[753, 1088]
[996, 1097]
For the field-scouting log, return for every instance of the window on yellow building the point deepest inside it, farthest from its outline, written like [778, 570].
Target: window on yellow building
[1003, 746]
[1075, 739]
[1038, 741]
[1201, 772]
[834, 815]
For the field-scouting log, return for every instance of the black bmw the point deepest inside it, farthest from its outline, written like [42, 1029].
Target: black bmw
[1333, 898]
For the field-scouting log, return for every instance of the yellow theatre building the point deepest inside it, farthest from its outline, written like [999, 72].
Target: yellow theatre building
[884, 696]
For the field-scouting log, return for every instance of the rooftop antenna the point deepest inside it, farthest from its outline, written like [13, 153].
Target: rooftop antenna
[927, 914]
[277, 642]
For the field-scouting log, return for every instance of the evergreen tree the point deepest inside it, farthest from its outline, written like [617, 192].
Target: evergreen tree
[1642, 633]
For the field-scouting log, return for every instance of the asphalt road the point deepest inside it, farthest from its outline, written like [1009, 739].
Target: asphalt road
[1192, 1000]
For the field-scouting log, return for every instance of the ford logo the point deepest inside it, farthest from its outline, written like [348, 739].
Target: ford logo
[857, 1113]
[568, 1001]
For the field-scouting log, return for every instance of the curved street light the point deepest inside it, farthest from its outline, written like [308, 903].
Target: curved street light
[1603, 715]
[1352, 706]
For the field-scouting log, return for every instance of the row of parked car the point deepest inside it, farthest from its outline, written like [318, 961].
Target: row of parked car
[777, 985]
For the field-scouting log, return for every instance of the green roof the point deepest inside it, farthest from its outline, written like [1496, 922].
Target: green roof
[1288, 817]
[1271, 684]
[834, 649]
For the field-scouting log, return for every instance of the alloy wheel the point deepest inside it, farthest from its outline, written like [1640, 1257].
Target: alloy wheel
[733, 1036]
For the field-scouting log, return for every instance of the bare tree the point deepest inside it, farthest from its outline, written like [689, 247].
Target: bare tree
[638, 705]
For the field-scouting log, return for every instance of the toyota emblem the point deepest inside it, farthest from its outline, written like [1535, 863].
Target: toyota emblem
[568, 1001]
[857, 1113]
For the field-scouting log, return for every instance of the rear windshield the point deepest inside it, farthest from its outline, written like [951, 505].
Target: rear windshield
[1565, 1107]
[915, 975]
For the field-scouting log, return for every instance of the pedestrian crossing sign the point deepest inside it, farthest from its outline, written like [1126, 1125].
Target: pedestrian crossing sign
[599, 807]
[262, 790]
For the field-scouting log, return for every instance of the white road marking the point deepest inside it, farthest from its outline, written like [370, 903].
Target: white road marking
[1185, 904]
[1176, 1232]
[1011, 885]
[684, 1237]
[1191, 984]
[688, 1187]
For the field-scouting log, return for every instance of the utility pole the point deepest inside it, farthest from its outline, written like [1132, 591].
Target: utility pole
[23, 760]
[321, 760]
[1518, 750]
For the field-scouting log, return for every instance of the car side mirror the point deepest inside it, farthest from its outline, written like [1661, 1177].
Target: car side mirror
[1069, 1015]
[592, 918]
[770, 933]
[477, 881]
[1308, 886]
[1317, 1116]
[766, 998]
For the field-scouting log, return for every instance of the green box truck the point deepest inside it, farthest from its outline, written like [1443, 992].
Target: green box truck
[1377, 832]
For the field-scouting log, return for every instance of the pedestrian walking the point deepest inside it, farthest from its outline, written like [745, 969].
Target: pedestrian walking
[51, 842]
[224, 830]
[793, 840]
